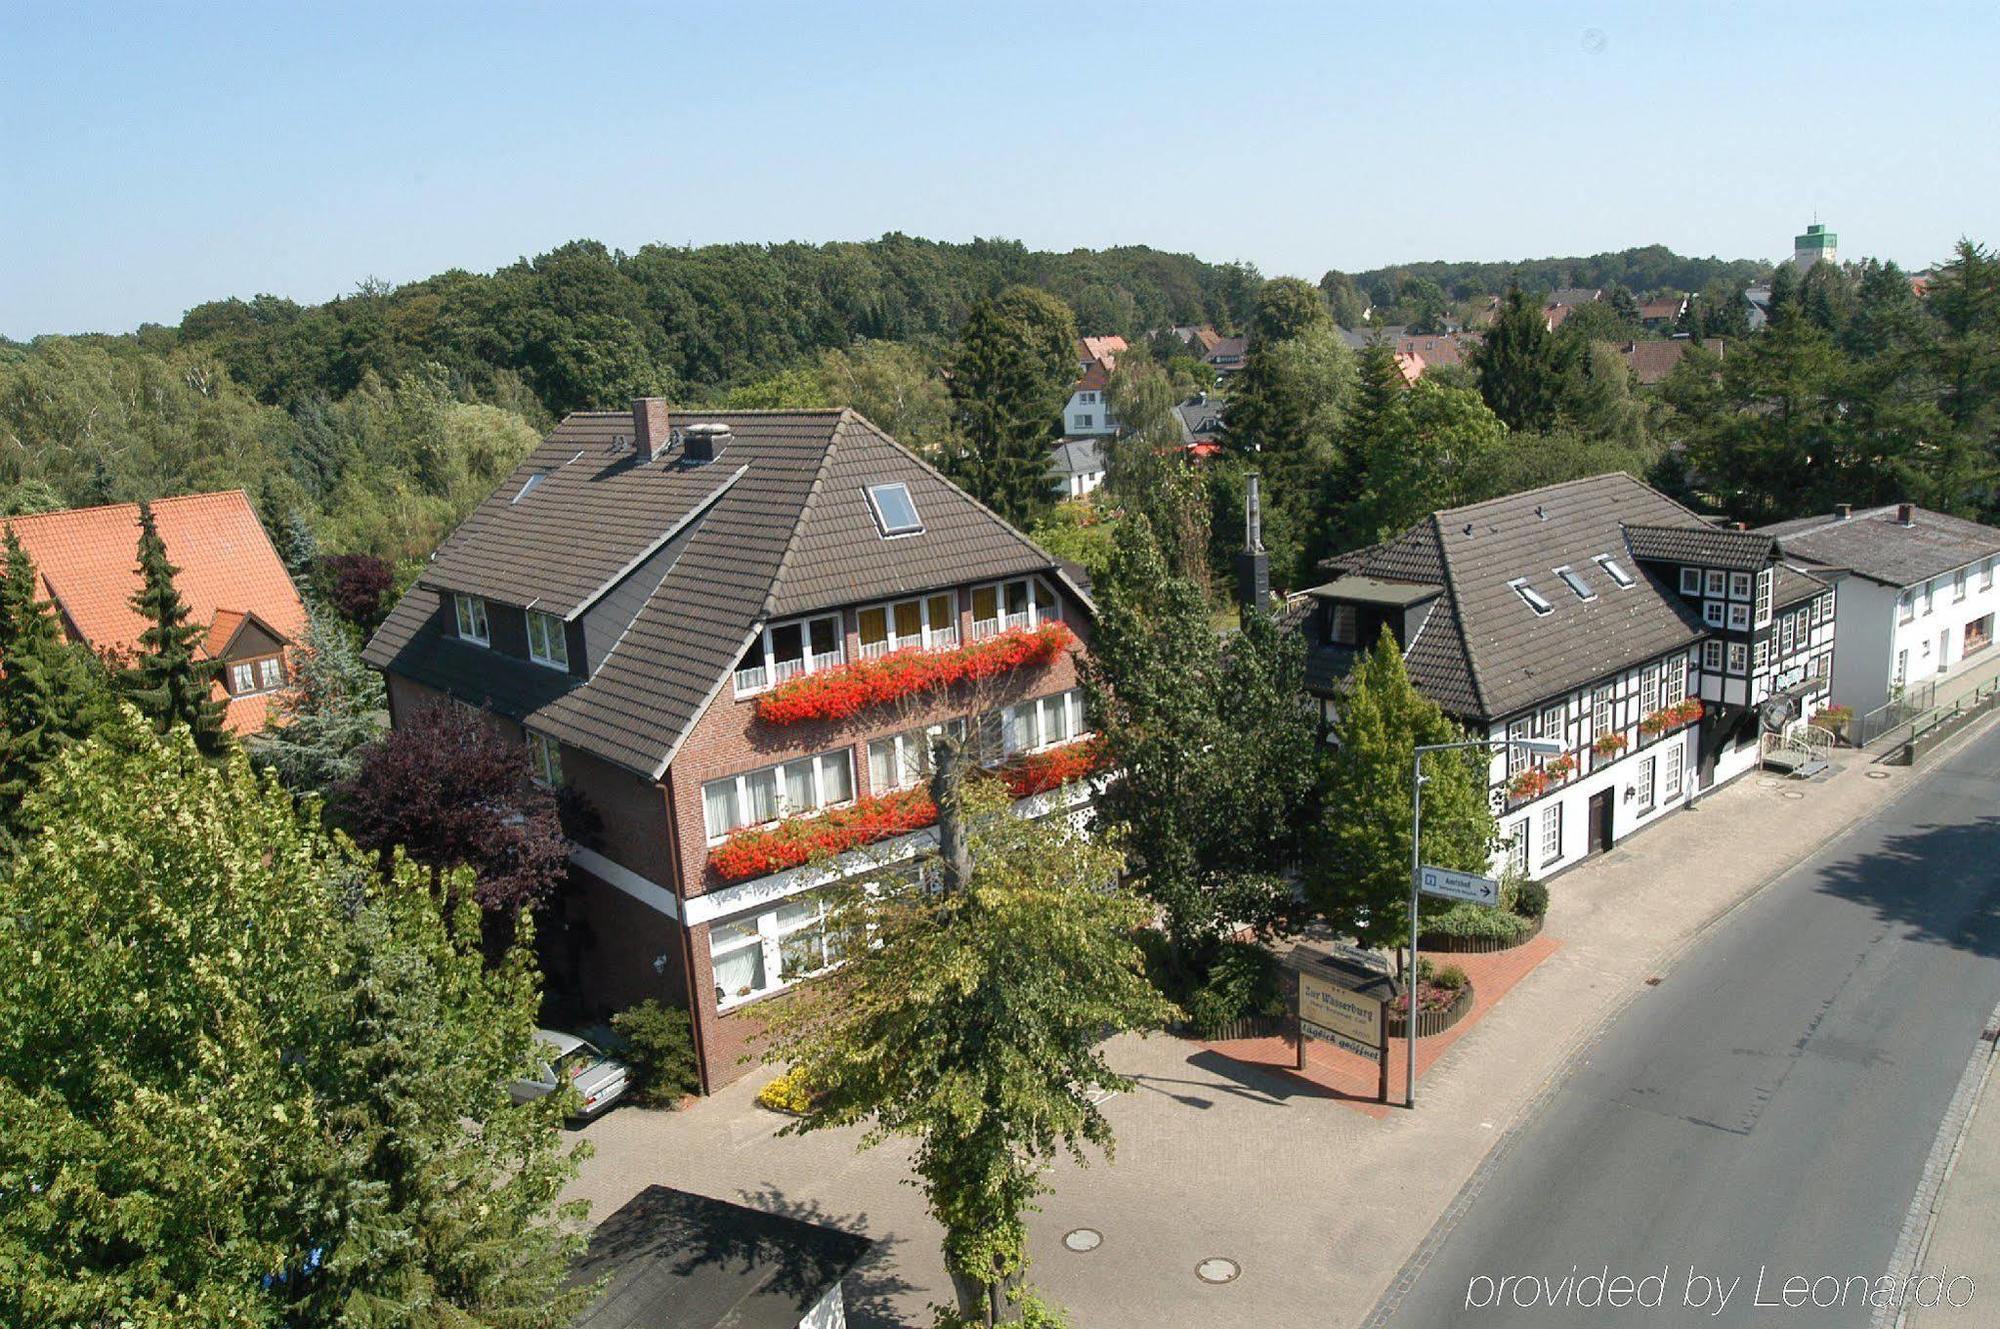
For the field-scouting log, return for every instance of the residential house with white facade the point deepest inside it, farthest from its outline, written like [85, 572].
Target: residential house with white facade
[1656, 647]
[1915, 598]
[1088, 412]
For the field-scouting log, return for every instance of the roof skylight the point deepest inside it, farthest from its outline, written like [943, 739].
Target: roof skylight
[1530, 596]
[895, 510]
[1614, 570]
[1574, 580]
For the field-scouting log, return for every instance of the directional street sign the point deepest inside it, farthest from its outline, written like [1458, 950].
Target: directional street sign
[1459, 886]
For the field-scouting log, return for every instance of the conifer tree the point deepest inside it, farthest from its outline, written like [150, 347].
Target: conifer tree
[329, 715]
[1010, 376]
[1359, 870]
[168, 683]
[52, 692]
[1520, 365]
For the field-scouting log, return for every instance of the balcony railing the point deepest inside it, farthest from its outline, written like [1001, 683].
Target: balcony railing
[941, 639]
[758, 677]
[753, 679]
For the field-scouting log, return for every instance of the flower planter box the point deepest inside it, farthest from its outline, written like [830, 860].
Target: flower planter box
[1433, 1022]
[837, 693]
[1043, 771]
[1444, 943]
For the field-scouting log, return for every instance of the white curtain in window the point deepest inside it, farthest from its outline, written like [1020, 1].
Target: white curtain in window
[836, 778]
[719, 804]
[799, 786]
[761, 796]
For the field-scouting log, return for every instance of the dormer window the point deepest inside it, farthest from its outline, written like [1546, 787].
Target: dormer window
[548, 644]
[1574, 580]
[261, 675]
[895, 510]
[1530, 596]
[472, 620]
[1614, 570]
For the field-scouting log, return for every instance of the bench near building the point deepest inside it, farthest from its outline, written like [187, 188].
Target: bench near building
[671, 615]
[1655, 646]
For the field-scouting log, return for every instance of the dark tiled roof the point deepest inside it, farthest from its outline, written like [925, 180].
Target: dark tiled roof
[1790, 585]
[1078, 456]
[1700, 543]
[789, 531]
[1874, 544]
[1482, 653]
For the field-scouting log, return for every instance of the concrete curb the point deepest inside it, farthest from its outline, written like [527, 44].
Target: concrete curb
[1586, 1041]
[1914, 1242]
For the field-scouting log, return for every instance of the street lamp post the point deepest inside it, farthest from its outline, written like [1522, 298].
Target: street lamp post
[1537, 747]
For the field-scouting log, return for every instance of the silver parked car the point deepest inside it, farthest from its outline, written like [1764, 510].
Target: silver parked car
[599, 1079]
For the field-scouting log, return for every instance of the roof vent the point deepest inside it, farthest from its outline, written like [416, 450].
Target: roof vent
[1468, 528]
[1905, 515]
[1842, 511]
[1541, 513]
[703, 443]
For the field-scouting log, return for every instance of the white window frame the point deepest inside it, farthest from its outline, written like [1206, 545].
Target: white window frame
[545, 760]
[911, 752]
[270, 673]
[1534, 599]
[1670, 776]
[1517, 756]
[1930, 596]
[1739, 586]
[1788, 635]
[1642, 784]
[1674, 687]
[930, 636]
[1600, 713]
[1958, 585]
[1552, 829]
[1714, 613]
[1649, 689]
[1711, 657]
[1906, 607]
[472, 622]
[242, 679]
[548, 640]
[782, 810]
[1042, 603]
[1517, 847]
[758, 677]
[882, 525]
[768, 935]
[1690, 581]
[1760, 654]
[999, 730]
[1986, 575]
[1739, 618]
[1555, 723]
[1718, 583]
[1739, 659]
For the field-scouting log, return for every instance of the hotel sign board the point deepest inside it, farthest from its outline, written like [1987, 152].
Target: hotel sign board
[1344, 1003]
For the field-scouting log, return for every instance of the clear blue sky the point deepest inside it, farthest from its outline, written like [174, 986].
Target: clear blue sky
[157, 156]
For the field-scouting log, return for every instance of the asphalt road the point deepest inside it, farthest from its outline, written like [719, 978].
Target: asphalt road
[1768, 1108]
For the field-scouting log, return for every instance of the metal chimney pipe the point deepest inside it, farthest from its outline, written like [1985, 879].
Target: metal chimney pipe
[1253, 520]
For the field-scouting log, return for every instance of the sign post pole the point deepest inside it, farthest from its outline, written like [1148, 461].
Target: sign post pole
[1382, 1063]
[1416, 882]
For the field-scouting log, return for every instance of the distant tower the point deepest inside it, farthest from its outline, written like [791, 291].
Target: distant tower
[1815, 245]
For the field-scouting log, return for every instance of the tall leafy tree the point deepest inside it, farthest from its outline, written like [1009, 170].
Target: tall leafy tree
[1146, 473]
[1359, 873]
[52, 692]
[1426, 449]
[1010, 375]
[1218, 758]
[293, 1112]
[168, 681]
[1520, 365]
[972, 1025]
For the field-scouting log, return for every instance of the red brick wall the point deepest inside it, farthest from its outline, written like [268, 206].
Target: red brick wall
[728, 739]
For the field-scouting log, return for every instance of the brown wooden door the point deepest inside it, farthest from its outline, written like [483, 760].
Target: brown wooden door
[1600, 822]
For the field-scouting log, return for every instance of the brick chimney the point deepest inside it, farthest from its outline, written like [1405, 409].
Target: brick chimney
[649, 427]
[1253, 565]
[1905, 515]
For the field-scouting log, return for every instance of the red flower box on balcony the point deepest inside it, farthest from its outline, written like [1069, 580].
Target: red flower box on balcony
[795, 840]
[1608, 745]
[835, 694]
[1671, 717]
[1048, 770]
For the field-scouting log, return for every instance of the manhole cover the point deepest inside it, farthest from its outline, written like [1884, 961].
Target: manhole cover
[1083, 1239]
[1793, 793]
[1767, 784]
[1878, 775]
[1215, 1269]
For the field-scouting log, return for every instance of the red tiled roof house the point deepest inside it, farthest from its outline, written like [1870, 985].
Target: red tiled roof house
[235, 585]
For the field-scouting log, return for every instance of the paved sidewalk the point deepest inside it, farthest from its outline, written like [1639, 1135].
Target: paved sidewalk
[1318, 1204]
[1965, 1239]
